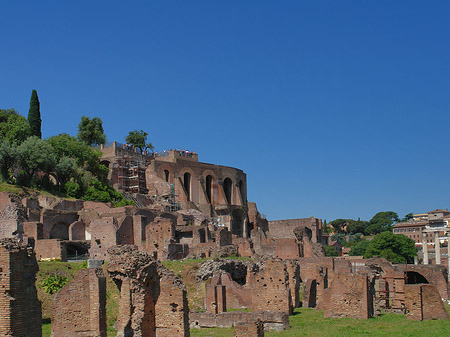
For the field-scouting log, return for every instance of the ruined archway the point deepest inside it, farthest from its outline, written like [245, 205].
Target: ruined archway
[60, 231]
[227, 188]
[413, 277]
[209, 187]
[187, 185]
[166, 175]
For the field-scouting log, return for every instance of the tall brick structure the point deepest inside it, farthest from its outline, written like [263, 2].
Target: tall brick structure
[19, 306]
[270, 288]
[79, 308]
[153, 301]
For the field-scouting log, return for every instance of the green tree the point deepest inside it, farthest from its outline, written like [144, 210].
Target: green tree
[381, 222]
[8, 154]
[355, 227]
[330, 251]
[14, 128]
[65, 169]
[34, 115]
[359, 248]
[35, 155]
[86, 157]
[139, 140]
[407, 217]
[90, 131]
[396, 248]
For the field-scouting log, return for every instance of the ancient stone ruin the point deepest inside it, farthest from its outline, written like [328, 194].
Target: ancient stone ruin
[79, 308]
[20, 307]
[152, 300]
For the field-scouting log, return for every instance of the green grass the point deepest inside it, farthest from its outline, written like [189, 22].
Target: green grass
[310, 322]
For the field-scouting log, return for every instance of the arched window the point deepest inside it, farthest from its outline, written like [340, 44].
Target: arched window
[166, 175]
[187, 185]
[241, 190]
[209, 188]
[227, 187]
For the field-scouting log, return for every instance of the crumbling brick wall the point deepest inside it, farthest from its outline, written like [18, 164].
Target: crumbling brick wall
[423, 302]
[349, 295]
[79, 308]
[19, 306]
[152, 300]
[12, 215]
[270, 288]
[249, 329]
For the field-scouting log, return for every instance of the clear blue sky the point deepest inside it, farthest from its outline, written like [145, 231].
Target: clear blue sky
[334, 109]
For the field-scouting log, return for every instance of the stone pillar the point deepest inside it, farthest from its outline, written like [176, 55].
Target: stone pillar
[424, 248]
[437, 248]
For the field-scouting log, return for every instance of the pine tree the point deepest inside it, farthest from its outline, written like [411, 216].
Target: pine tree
[34, 115]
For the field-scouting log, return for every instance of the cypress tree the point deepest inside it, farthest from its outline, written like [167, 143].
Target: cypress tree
[34, 115]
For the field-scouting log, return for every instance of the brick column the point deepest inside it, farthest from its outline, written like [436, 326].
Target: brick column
[424, 248]
[437, 248]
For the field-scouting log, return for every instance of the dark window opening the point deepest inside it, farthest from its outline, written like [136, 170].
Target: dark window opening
[413, 277]
[187, 185]
[166, 175]
[209, 188]
[227, 186]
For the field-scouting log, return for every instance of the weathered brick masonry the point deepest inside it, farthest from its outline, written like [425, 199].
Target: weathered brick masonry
[20, 309]
[152, 300]
[79, 308]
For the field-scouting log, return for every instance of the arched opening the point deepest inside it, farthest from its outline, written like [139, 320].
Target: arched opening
[227, 186]
[241, 190]
[312, 295]
[166, 175]
[187, 185]
[105, 162]
[413, 277]
[209, 188]
[60, 231]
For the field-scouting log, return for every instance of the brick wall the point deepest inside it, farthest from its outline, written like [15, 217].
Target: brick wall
[20, 309]
[423, 302]
[348, 296]
[270, 288]
[79, 308]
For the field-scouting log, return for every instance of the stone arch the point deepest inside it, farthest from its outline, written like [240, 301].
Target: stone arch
[227, 189]
[310, 294]
[60, 231]
[168, 177]
[413, 277]
[77, 231]
[210, 184]
[187, 184]
[191, 193]
[105, 162]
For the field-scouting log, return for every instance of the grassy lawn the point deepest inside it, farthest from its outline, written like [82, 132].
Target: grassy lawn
[310, 322]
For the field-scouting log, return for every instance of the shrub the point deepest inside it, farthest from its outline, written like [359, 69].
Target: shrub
[54, 283]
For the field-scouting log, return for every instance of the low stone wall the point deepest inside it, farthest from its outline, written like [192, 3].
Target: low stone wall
[273, 320]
